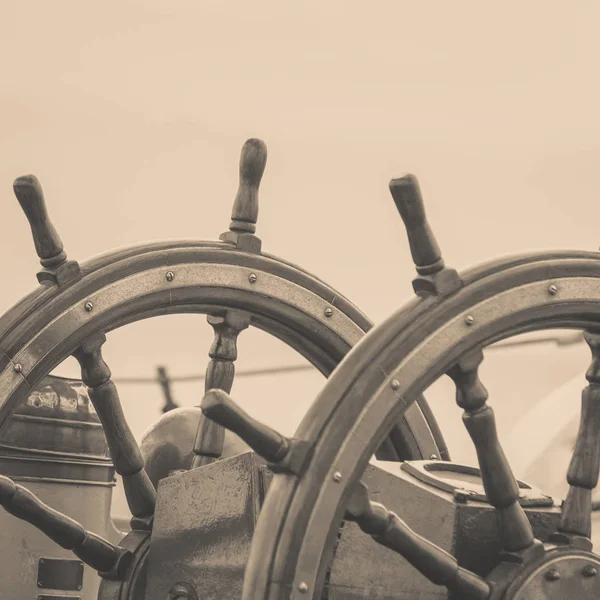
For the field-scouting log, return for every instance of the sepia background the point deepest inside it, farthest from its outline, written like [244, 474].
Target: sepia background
[132, 115]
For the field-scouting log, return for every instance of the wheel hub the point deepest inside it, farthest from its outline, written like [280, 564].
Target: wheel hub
[562, 573]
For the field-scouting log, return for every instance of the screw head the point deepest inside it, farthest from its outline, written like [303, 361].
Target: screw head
[170, 275]
[17, 368]
[395, 384]
[433, 456]
[469, 320]
[337, 476]
[552, 575]
[302, 587]
[328, 311]
[252, 277]
[89, 306]
[552, 290]
[589, 571]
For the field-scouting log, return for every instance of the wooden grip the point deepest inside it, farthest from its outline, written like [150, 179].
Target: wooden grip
[424, 248]
[64, 531]
[252, 166]
[266, 442]
[124, 450]
[48, 244]
[432, 561]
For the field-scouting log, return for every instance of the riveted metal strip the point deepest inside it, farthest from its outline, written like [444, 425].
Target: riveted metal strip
[412, 368]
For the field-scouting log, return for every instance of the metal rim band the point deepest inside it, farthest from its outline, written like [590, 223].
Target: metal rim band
[38, 347]
[302, 515]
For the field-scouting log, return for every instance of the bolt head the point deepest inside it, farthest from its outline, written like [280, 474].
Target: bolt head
[89, 306]
[302, 587]
[589, 571]
[395, 384]
[552, 575]
[182, 591]
[328, 311]
[469, 320]
[552, 290]
[252, 278]
[434, 456]
[337, 476]
[17, 368]
[170, 275]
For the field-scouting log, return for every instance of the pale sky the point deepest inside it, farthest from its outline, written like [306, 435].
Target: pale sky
[132, 115]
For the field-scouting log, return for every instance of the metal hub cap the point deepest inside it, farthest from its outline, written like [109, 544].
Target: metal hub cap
[562, 574]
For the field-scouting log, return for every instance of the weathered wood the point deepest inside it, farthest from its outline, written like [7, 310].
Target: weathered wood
[584, 468]
[48, 244]
[124, 450]
[219, 407]
[430, 560]
[208, 445]
[424, 248]
[501, 488]
[434, 278]
[253, 160]
[244, 214]
[64, 531]
[284, 454]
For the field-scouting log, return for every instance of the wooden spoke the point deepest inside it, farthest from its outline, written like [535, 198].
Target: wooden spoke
[434, 277]
[283, 453]
[208, 445]
[389, 530]
[110, 561]
[124, 450]
[500, 485]
[48, 245]
[576, 513]
[244, 214]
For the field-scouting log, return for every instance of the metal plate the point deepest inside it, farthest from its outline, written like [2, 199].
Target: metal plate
[60, 574]
[446, 475]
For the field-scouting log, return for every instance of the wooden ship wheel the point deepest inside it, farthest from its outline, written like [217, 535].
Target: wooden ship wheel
[336, 526]
[235, 284]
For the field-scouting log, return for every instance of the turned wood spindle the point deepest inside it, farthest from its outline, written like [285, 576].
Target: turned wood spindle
[500, 485]
[433, 276]
[433, 562]
[165, 384]
[253, 160]
[283, 453]
[582, 476]
[244, 214]
[424, 248]
[48, 244]
[220, 372]
[109, 560]
[124, 450]
[218, 406]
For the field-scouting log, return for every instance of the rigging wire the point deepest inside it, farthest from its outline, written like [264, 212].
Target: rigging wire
[560, 341]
